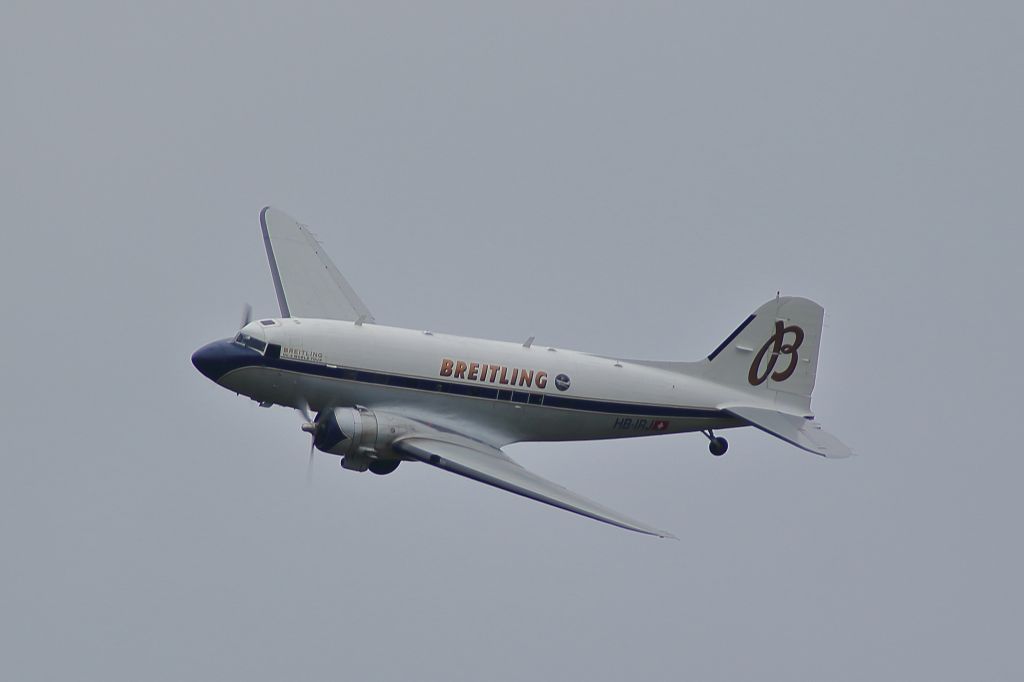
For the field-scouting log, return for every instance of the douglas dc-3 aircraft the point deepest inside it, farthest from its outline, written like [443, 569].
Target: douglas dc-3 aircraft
[385, 395]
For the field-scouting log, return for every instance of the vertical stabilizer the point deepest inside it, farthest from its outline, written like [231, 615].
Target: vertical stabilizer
[773, 353]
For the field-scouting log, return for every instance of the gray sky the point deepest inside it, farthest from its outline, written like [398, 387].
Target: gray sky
[631, 179]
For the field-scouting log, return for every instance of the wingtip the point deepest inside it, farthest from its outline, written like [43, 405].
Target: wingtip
[279, 214]
[654, 532]
[263, 221]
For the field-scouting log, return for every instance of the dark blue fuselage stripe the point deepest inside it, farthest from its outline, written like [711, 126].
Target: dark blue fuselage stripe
[525, 397]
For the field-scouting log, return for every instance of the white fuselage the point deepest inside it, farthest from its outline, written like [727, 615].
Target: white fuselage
[507, 391]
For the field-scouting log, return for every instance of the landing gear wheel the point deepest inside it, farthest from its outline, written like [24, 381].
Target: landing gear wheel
[717, 445]
[382, 467]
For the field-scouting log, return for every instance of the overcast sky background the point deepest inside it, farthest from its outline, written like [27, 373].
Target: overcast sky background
[632, 179]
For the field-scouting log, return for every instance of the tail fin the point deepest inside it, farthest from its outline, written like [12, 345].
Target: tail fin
[774, 351]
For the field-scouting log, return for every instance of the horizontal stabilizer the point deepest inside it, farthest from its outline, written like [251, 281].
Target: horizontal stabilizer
[803, 433]
[492, 466]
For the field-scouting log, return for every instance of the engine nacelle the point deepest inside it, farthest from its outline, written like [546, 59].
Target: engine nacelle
[345, 431]
[358, 435]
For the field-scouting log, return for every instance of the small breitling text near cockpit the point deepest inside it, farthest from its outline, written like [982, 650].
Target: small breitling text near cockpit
[247, 341]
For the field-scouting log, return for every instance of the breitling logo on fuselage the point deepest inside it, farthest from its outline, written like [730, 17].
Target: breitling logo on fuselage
[301, 355]
[493, 374]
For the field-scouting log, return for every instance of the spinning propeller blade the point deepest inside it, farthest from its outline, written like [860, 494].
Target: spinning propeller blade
[309, 426]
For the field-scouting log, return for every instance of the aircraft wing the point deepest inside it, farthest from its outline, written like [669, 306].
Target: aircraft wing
[307, 282]
[490, 465]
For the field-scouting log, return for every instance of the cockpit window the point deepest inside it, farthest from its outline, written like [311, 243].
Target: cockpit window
[249, 342]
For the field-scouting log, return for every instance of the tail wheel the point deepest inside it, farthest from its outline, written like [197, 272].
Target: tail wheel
[716, 444]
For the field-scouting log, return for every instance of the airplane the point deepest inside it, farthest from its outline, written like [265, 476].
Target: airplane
[386, 395]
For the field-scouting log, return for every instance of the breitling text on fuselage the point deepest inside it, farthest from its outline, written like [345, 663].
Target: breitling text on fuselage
[493, 374]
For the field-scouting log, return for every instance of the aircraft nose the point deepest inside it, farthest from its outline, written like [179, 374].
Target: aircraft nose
[215, 359]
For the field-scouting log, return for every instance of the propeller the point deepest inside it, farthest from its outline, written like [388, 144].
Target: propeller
[246, 315]
[310, 426]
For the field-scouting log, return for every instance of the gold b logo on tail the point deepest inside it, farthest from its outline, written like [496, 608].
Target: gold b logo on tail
[778, 347]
